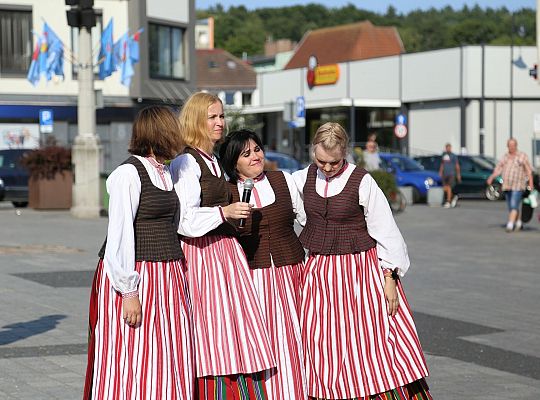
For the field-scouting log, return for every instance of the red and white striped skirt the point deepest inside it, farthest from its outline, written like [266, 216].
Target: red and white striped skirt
[352, 347]
[278, 289]
[231, 336]
[154, 360]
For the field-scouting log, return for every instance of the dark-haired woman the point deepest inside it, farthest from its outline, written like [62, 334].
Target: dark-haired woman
[231, 340]
[358, 333]
[140, 313]
[274, 253]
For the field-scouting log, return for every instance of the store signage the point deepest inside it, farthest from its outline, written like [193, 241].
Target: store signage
[318, 75]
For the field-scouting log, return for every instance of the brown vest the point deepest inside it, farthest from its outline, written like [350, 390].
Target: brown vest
[269, 231]
[215, 191]
[335, 225]
[156, 222]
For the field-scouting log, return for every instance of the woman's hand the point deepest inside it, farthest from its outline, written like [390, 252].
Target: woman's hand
[132, 311]
[390, 292]
[236, 210]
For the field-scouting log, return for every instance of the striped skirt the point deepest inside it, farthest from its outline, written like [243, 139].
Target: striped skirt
[231, 335]
[279, 295]
[352, 347]
[154, 360]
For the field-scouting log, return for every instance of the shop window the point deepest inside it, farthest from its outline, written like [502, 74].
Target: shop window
[15, 41]
[167, 52]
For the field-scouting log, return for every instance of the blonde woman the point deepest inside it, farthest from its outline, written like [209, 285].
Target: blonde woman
[232, 344]
[359, 338]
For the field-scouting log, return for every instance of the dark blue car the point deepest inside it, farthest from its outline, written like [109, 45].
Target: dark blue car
[408, 172]
[13, 177]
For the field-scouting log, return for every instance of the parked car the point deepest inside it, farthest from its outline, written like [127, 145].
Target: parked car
[282, 161]
[13, 177]
[409, 173]
[474, 172]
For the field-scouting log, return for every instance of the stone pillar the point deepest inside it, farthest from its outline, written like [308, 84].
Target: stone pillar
[86, 148]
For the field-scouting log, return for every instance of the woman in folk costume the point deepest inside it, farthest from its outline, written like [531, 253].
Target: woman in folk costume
[141, 329]
[359, 337]
[274, 253]
[232, 346]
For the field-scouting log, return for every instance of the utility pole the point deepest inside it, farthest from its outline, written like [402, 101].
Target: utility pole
[86, 148]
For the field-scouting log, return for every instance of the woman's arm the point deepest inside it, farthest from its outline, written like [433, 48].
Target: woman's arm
[381, 226]
[124, 188]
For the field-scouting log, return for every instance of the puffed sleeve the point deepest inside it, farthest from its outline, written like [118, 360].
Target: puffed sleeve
[300, 178]
[391, 247]
[124, 188]
[296, 198]
[195, 221]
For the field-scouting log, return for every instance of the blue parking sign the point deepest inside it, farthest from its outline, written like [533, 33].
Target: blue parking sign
[300, 107]
[46, 120]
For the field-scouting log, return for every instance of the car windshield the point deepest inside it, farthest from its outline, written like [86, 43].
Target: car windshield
[406, 164]
[482, 162]
[9, 159]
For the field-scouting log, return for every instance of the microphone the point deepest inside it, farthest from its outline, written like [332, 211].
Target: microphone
[248, 186]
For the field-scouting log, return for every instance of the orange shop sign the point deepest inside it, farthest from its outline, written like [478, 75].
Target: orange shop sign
[321, 74]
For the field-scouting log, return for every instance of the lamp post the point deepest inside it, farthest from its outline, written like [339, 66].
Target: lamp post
[512, 78]
[86, 147]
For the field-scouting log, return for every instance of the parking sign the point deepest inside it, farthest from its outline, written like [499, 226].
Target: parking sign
[46, 121]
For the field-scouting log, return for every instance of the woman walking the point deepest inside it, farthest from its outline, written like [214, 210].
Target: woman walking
[140, 313]
[231, 340]
[274, 253]
[359, 337]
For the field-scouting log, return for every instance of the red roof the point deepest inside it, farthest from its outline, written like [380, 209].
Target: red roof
[218, 69]
[351, 42]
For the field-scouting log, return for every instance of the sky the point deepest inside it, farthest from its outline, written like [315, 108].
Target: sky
[379, 6]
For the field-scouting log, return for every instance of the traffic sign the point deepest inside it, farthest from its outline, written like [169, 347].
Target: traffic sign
[300, 107]
[46, 120]
[401, 119]
[400, 131]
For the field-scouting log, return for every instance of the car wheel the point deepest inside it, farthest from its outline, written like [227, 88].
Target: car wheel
[20, 204]
[493, 192]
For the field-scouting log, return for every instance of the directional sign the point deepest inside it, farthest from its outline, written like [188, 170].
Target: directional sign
[401, 119]
[300, 113]
[46, 121]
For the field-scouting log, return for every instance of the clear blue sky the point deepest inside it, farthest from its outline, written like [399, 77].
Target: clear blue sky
[379, 6]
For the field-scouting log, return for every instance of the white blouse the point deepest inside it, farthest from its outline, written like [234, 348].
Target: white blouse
[381, 226]
[266, 195]
[195, 221]
[124, 188]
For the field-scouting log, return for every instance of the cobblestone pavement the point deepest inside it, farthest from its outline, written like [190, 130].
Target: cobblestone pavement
[473, 289]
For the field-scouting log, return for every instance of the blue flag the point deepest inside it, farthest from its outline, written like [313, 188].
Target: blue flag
[134, 46]
[54, 64]
[34, 70]
[106, 57]
[123, 59]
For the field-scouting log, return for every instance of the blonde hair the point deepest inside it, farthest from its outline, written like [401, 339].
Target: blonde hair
[193, 120]
[331, 136]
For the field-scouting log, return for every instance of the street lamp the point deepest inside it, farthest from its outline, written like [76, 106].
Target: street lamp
[86, 148]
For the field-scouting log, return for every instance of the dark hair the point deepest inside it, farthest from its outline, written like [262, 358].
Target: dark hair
[231, 148]
[156, 130]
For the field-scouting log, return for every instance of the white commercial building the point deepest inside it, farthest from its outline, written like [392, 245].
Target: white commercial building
[439, 92]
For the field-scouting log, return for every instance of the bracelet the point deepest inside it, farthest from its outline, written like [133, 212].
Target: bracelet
[130, 295]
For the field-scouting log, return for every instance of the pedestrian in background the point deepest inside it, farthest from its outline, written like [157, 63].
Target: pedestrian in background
[140, 313]
[372, 160]
[516, 173]
[450, 173]
[274, 253]
[358, 333]
[232, 346]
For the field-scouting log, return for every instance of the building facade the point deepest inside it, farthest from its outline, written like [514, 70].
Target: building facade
[165, 74]
[445, 95]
